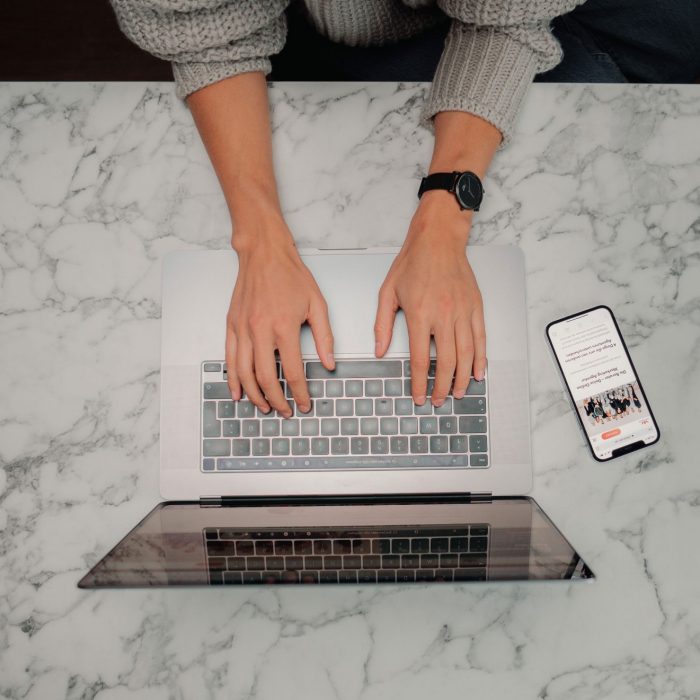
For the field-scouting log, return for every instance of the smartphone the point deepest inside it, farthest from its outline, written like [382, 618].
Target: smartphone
[603, 385]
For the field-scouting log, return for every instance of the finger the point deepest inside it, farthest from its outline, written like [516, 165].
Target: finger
[266, 374]
[465, 355]
[234, 384]
[293, 368]
[246, 373]
[384, 323]
[321, 330]
[446, 360]
[479, 335]
[419, 347]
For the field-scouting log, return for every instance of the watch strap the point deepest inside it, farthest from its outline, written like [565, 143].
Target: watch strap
[438, 181]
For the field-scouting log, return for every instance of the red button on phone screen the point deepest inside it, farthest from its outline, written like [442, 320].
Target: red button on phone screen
[611, 433]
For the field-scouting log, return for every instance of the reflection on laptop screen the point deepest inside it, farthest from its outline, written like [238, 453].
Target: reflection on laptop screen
[191, 544]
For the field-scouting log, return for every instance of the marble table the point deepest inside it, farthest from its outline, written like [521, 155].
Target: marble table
[601, 190]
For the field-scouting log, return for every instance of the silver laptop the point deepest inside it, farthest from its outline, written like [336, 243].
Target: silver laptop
[367, 487]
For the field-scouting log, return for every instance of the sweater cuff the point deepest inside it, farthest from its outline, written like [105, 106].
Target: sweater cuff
[190, 77]
[483, 71]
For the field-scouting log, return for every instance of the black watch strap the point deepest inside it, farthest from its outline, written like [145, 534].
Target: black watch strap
[438, 181]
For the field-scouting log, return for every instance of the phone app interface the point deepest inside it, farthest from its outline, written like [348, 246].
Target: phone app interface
[602, 382]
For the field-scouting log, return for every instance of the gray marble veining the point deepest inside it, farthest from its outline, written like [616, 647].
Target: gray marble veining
[600, 188]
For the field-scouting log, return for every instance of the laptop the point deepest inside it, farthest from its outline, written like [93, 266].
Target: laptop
[367, 487]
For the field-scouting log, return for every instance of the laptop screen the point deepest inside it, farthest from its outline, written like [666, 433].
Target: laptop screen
[181, 544]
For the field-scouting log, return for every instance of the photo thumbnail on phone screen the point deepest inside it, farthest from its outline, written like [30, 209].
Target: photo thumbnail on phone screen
[602, 382]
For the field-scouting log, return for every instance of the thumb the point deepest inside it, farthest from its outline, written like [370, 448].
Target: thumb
[321, 330]
[384, 323]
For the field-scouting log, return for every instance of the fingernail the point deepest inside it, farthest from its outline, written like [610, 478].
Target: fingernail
[439, 402]
[459, 394]
[305, 408]
[479, 376]
[420, 400]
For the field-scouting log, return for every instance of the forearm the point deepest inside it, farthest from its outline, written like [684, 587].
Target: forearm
[232, 117]
[463, 141]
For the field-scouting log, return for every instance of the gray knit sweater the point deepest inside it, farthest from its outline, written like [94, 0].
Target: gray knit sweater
[492, 51]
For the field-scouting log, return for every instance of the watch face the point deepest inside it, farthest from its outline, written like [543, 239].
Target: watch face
[468, 191]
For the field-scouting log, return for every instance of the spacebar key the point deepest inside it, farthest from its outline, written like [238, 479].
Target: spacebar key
[355, 369]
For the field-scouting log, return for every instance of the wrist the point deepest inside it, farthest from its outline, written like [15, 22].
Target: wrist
[264, 230]
[439, 219]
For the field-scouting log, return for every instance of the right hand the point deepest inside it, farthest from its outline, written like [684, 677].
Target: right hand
[275, 294]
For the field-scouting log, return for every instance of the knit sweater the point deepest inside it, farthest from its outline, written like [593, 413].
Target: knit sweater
[492, 51]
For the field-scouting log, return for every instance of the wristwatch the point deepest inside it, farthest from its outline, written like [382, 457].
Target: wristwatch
[465, 186]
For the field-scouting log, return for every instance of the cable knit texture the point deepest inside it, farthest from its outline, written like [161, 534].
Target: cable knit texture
[492, 51]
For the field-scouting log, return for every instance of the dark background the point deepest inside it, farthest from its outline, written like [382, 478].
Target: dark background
[81, 40]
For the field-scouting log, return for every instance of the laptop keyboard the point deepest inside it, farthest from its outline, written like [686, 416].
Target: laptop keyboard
[362, 415]
[325, 556]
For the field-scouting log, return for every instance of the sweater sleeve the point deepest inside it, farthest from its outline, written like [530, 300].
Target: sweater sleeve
[492, 52]
[206, 40]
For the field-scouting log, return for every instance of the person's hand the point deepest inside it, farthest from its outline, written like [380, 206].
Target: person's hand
[432, 281]
[274, 295]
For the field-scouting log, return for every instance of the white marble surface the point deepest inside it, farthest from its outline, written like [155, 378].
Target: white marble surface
[601, 189]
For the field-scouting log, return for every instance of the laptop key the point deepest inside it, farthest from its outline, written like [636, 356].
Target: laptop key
[409, 426]
[425, 410]
[328, 577]
[399, 444]
[355, 369]
[373, 387]
[208, 465]
[438, 444]
[388, 426]
[217, 448]
[380, 445]
[240, 447]
[250, 428]
[477, 443]
[340, 446]
[270, 427]
[353, 387]
[428, 425]
[392, 387]
[211, 427]
[324, 407]
[363, 407]
[212, 367]
[261, 447]
[448, 425]
[349, 426]
[470, 405]
[320, 446]
[344, 407]
[309, 426]
[300, 446]
[445, 409]
[369, 426]
[226, 409]
[403, 407]
[458, 444]
[330, 426]
[290, 427]
[419, 444]
[216, 390]
[359, 445]
[315, 389]
[280, 447]
[383, 407]
[419, 545]
[334, 388]
[472, 424]
[476, 388]
[246, 409]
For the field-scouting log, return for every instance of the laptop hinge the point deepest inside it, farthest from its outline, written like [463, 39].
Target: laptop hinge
[348, 499]
[210, 501]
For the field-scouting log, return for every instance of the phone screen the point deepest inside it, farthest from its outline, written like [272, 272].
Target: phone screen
[602, 382]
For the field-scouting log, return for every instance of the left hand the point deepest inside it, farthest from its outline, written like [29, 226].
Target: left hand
[432, 281]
